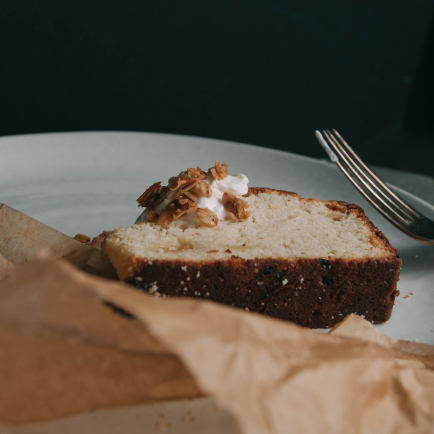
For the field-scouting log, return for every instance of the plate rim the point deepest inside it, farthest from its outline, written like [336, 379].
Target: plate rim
[228, 142]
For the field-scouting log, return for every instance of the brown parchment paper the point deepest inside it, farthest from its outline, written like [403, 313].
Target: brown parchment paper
[5, 267]
[72, 342]
[273, 376]
[22, 238]
[277, 377]
[63, 350]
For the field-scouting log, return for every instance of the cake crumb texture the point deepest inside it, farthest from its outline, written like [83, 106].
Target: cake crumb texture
[308, 261]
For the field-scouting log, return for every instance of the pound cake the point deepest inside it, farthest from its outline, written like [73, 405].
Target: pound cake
[207, 235]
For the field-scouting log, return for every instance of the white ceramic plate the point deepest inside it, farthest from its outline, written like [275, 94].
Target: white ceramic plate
[87, 182]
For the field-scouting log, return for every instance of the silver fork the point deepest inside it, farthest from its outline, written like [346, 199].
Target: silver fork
[396, 210]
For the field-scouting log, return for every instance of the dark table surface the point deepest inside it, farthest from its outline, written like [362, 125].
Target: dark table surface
[262, 72]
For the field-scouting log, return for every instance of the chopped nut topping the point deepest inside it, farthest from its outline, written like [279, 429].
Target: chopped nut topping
[153, 196]
[176, 183]
[189, 186]
[206, 189]
[188, 177]
[173, 211]
[196, 173]
[152, 190]
[207, 217]
[191, 196]
[228, 251]
[96, 241]
[236, 206]
[82, 238]
[219, 171]
[152, 216]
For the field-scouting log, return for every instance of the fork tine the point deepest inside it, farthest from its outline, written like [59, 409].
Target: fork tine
[371, 182]
[374, 176]
[386, 212]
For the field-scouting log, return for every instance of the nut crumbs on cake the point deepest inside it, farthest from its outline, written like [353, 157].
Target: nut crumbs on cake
[236, 206]
[219, 171]
[207, 217]
[185, 191]
[82, 238]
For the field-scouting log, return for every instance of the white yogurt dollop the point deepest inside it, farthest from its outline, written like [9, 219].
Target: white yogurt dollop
[234, 184]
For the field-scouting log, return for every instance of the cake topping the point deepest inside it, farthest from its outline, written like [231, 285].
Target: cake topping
[219, 171]
[189, 178]
[174, 210]
[206, 189]
[152, 217]
[82, 238]
[190, 186]
[195, 197]
[236, 206]
[153, 196]
[207, 217]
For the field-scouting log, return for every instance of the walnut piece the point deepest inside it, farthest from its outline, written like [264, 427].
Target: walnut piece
[153, 196]
[196, 173]
[189, 186]
[219, 171]
[174, 210]
[236, 206]
[97, 241]
[207, 217]
[175, 183]
[82, 238]
[188, 177]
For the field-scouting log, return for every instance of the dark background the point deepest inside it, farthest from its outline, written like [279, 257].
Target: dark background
[261, 72]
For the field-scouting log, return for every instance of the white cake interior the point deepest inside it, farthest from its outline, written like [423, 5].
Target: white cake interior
[281, 226]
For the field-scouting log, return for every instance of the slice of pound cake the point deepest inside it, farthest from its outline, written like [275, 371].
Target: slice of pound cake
[207, 235]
